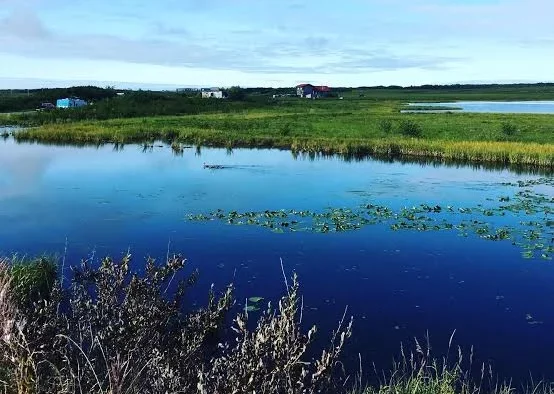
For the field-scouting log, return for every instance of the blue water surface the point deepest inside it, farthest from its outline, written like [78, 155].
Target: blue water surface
[504, 107]
[397, 284]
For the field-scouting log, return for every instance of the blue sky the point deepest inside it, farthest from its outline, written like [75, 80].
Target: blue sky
[274, 42]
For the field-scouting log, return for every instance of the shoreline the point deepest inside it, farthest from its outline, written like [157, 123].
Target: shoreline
[465, 152]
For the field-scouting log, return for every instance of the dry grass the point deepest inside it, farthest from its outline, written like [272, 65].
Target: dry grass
[117, 332]
[270, 359]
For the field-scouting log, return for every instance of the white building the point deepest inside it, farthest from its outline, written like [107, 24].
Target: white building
[212, 93]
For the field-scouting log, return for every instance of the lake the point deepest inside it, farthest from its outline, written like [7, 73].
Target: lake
[503, 107]
[409, 248]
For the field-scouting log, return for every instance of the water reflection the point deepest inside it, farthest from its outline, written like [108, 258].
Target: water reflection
[433, 162]
[177, 149]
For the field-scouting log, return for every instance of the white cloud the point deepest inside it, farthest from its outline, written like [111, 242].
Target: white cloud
[23, 24]
[23, 33]
[369, 41]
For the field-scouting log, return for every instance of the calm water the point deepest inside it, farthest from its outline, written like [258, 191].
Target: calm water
[397, 284]
[514, 107]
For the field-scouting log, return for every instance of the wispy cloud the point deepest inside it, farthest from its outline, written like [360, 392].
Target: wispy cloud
[282, 39]
[24, 33]
[23, 24]
[171, 31]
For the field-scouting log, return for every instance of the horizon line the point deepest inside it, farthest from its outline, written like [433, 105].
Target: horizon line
[52, 84]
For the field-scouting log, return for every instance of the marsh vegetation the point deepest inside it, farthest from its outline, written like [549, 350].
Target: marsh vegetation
[368, 125]
[532, 210]
[333, 127]
[115, 331]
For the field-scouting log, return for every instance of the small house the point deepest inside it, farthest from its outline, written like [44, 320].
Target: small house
[213, 93]
[70, 102]
[307, 90]
[46, 107]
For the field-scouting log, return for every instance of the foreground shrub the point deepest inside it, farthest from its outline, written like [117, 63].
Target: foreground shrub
[115, 331]
[269, 359]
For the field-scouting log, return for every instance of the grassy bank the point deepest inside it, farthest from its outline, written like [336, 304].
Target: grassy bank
[347, 127]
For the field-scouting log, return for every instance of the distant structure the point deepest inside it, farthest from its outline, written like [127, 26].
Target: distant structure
[46, 107]
[213, 93]
[306, 90]
[283, 95]
[187, 90]
[70, 102]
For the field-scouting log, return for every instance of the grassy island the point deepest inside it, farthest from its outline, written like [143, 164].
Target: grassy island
[367, 123]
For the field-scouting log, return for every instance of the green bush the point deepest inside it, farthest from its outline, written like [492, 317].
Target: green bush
[236, 93]
[285, 129]
[508, 129]
[410, 128]
[385, 125]
[32, 279]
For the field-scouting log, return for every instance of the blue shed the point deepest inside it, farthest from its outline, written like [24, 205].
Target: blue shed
[71, 102]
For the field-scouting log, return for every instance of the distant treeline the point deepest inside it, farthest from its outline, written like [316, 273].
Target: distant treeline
[24, 100]
[455, 87]
[18, 100]
[141, 104]
[109, 103]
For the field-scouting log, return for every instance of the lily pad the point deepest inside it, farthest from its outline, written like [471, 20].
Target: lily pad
[529, 210]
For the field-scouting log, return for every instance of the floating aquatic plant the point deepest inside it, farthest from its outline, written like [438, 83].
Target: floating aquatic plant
[534, 234]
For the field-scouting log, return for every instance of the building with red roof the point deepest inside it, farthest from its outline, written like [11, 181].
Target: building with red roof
[307, 90]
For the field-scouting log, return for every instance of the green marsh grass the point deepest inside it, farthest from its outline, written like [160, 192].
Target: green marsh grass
[31, 279]
[333, 127]
[420, 374]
